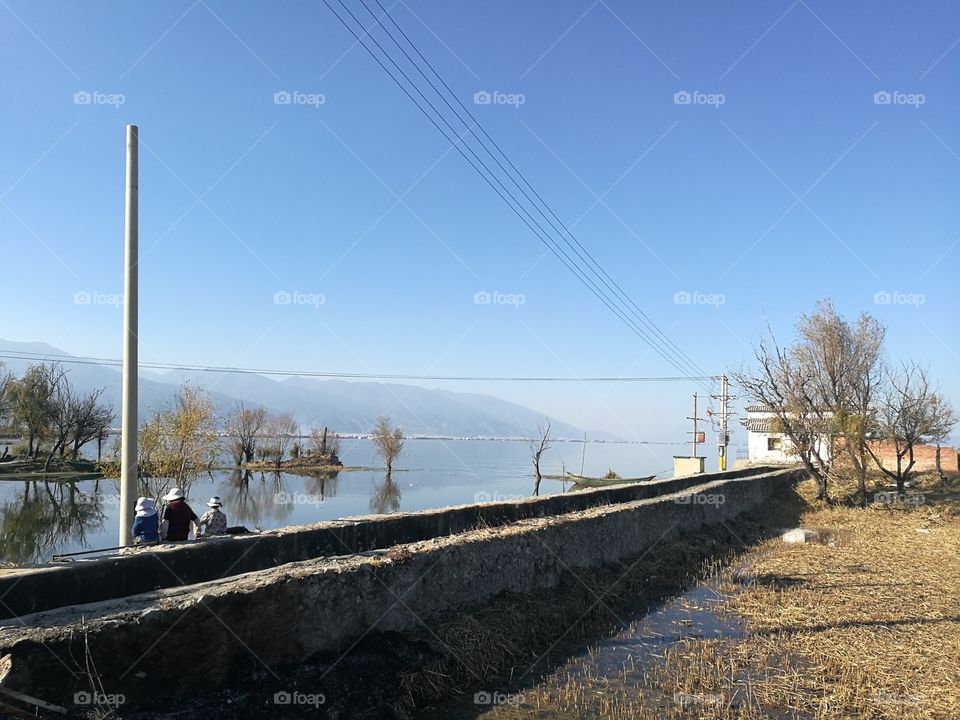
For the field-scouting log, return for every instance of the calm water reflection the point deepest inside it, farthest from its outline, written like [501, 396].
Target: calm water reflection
[387, 497]
[39, 519]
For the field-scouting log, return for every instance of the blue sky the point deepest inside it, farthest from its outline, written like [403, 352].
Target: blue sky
[785, 180]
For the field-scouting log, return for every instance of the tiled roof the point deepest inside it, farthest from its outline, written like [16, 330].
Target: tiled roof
[760, 425]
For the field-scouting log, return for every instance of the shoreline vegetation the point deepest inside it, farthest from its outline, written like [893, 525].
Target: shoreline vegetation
[59, 470]
[301, 464]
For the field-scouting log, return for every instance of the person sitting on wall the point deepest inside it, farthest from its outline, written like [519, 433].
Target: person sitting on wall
[213, 521]
[178, 517]
[146, 523]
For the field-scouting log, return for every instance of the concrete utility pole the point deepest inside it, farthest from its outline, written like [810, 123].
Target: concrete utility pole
[693, 452]
[695, 434]
[724, 435]
[128, 432]
[683, 465]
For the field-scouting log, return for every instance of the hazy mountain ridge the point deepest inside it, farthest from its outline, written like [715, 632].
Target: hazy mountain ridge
[347, 406]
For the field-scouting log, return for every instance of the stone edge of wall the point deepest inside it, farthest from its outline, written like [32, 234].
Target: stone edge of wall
[88, 581]
[314, 606]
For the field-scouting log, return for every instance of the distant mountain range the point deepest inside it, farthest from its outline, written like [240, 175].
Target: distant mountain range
[345, 406]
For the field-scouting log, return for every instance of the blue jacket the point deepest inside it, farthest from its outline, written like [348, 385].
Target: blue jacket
[147, 529]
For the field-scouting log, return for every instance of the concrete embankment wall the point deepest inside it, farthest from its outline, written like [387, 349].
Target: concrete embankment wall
[286, 614]
[155, 568]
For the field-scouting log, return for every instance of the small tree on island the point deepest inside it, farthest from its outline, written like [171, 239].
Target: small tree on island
[388, 441]
[241, 428]
[324, 442]
[537, 448]
[281, 430]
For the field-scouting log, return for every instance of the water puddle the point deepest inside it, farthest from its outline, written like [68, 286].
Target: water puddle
[621, 660]
[691, 615]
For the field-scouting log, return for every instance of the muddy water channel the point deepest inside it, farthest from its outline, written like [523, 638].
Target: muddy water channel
[614, 669]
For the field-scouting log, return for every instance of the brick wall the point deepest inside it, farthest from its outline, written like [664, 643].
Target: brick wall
[925, 457]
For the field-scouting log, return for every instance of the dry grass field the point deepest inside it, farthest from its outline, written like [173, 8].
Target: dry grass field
[863, 622]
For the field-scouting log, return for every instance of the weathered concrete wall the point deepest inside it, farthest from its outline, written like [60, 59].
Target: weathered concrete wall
[169, 566]
[285, 614]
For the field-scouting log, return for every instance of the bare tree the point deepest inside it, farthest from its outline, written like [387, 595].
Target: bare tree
[910, 411]
[820, 388]
[388, 441]
[537, 448]
[241, 427]
[324, 443]
[844, 361]
[61, 421]
[91, 420]
[5, 379]
[31, 402]
[281, 431]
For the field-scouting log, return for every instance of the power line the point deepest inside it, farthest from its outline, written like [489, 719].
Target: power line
[676, 357]
[604, 276]
[115, 362]
[550, 242]
[490, 177]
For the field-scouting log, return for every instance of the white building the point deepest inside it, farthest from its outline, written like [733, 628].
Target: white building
[766, 446]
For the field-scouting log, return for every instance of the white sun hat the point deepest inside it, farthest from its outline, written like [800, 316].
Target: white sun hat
[146, 507]
[174, 494]
[214, 501]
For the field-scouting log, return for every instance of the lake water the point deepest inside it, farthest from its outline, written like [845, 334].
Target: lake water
[38, 519]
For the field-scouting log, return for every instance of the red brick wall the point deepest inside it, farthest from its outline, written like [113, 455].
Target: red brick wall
[925, 457]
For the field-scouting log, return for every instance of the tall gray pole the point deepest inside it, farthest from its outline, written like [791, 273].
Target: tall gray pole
[694, 418]
[128, 436]
[724, 412]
